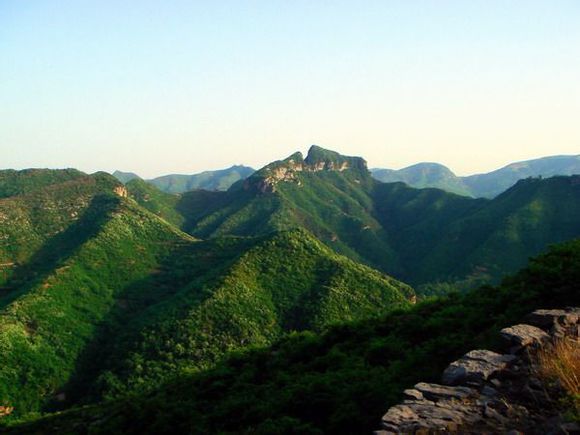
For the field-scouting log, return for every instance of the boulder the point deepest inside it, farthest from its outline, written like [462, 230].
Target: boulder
[524, 335]
[475, 366]
[546, 319]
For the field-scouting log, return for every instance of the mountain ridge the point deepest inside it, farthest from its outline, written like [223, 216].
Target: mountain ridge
[220, 179]
[486, 185]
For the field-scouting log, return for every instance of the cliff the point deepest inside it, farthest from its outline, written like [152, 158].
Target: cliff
[318, 159]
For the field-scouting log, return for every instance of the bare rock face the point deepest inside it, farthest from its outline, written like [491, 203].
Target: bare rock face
[488, 392]
[121, 191]
[317, 160]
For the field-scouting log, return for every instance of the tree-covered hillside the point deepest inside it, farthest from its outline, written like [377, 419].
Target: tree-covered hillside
[134, 295]
[104, 297]
[14, 183]
[340, 381]
[42, 206]
[418, 235]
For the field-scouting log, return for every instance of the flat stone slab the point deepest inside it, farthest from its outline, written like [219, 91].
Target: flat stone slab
[437, 392]
[475, 366]
[413, 394]
[524, 335]
[408, 418]
[546, 319]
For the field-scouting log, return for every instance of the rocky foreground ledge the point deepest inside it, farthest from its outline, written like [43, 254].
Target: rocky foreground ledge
[488, 392]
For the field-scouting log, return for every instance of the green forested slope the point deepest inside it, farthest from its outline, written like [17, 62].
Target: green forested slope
[519, 223]
[418, 235]
[42, 213]
[157, 202]
[334, 205]
[48, 319]
[258, 290]
[14, 182]
[106, 298]
[340, 381]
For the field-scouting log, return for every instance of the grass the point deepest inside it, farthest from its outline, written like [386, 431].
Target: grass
[560, 364]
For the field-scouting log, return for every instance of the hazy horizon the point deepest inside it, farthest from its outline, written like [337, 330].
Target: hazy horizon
[104, 86]
[370, 166]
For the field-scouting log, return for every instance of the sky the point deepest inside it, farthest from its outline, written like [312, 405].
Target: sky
[158, 87]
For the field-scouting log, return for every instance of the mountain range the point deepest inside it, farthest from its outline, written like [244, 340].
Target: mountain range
[486, 185]
[225, 309]
[220, 179]
[420, 175]
[421, 236]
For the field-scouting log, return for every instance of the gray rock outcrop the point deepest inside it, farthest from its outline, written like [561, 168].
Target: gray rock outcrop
[489, 392]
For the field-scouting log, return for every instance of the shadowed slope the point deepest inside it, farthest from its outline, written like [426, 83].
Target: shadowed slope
[340, 381]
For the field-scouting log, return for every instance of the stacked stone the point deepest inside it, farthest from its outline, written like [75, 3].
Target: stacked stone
[489, 392]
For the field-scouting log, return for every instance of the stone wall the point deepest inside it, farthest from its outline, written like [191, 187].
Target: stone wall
[489, 392]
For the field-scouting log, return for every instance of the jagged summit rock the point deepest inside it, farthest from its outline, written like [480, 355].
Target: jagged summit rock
[318, 159]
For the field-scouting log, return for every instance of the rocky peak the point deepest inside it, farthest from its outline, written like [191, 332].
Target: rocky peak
[318, 159]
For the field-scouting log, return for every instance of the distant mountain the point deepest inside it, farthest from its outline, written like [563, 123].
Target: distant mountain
[125, 177]
[493, 183]
[220, 179]
[209, 180]
[481, 185]
[424, 175]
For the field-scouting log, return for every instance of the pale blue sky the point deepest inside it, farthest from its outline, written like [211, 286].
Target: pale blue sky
[182, 86]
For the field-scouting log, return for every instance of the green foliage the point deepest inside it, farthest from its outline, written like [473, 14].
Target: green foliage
[257, 290]
[29, 220]
[157, 202]
[47, 321]
[14, 183]
[340, 381]
[420, 236]
[108, 299]
[103, 297]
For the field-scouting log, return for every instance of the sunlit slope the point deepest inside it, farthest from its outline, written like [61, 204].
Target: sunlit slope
[13, 182]
[258, 290]
[157, 202]
[106, 297]
[43, 206]
[325, 193]
[416, 235]
[48, 319]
